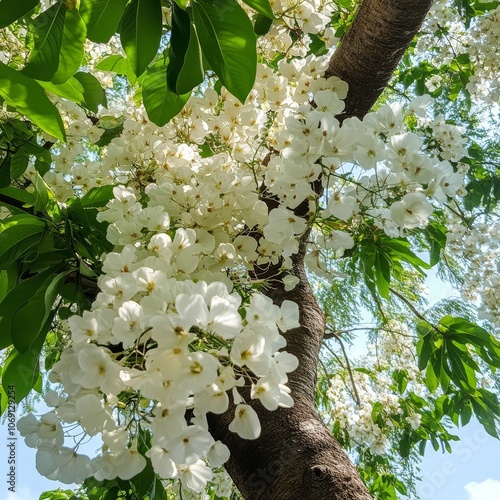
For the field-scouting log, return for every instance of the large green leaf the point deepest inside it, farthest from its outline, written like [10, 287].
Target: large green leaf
[37, 308]
[161, 104]
[28, 97]
[47, 30]
[93, 93]
[21, 371]
[12, 10]
[179, 41]
[20, 234]
[228, 43]
[102, 18]
[14, 300]
[71, 89]
[71, 53]
[191, 73]
[140, 32]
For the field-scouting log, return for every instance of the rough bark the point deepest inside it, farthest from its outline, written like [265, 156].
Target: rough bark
[296, 457]
[372, 48]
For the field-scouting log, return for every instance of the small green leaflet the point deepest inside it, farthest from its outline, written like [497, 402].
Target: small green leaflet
[228, 43]
[102, 18]
[161, 104]
[140, 32]
[12, 10]
[28, 97]
[47, 30]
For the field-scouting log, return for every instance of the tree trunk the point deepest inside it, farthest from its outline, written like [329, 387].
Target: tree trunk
[296, 456]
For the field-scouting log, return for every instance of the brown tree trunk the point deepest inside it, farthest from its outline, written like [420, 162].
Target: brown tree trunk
[296, 457]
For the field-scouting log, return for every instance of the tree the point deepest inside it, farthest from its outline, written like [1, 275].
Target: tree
[160, 246]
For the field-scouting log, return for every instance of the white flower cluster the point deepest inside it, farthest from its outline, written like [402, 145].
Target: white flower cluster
[158, 345]
[395, 351]
[481, 248]
[480, 42]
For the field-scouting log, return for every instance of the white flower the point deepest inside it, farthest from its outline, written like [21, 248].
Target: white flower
[195, 476]
[412, 211]
[163, 464]
[190, 445]
[218, 454]
[246, 422]
[248, 349]
[129, 463]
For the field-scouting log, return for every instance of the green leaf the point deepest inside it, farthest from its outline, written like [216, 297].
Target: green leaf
[71, 52]
[179, 41]
[102, 18]
[37, 308]
[262, 25]
[140, 32]
[15, 299]
[14, 193]
[97, 196]
[191, 73]
[12, 10]
[262, 7]
[22, 371]
[431, 381]
[161, 104]
[45, 200]
[18, 164]
[28, 97]
[118, 64]
[47, 30]
[93, 93]
[112, 127]
[185, 67]
[8, 279]
[18, 238]
[228, 42]
[71, 89]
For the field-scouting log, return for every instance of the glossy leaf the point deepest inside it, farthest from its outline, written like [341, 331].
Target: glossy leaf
[179, 41]
[93, 93]
[262, 25]
[15, 299]
[47, 29]
[191, 73]
[22, 370]
[18, 237]
[102, 18]
[97, 196]
[12, 10]
[161, 104]
[71, 89]
[140, 32]
[228, 42]
[37, 308]
[71, 52]
[28, 97]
